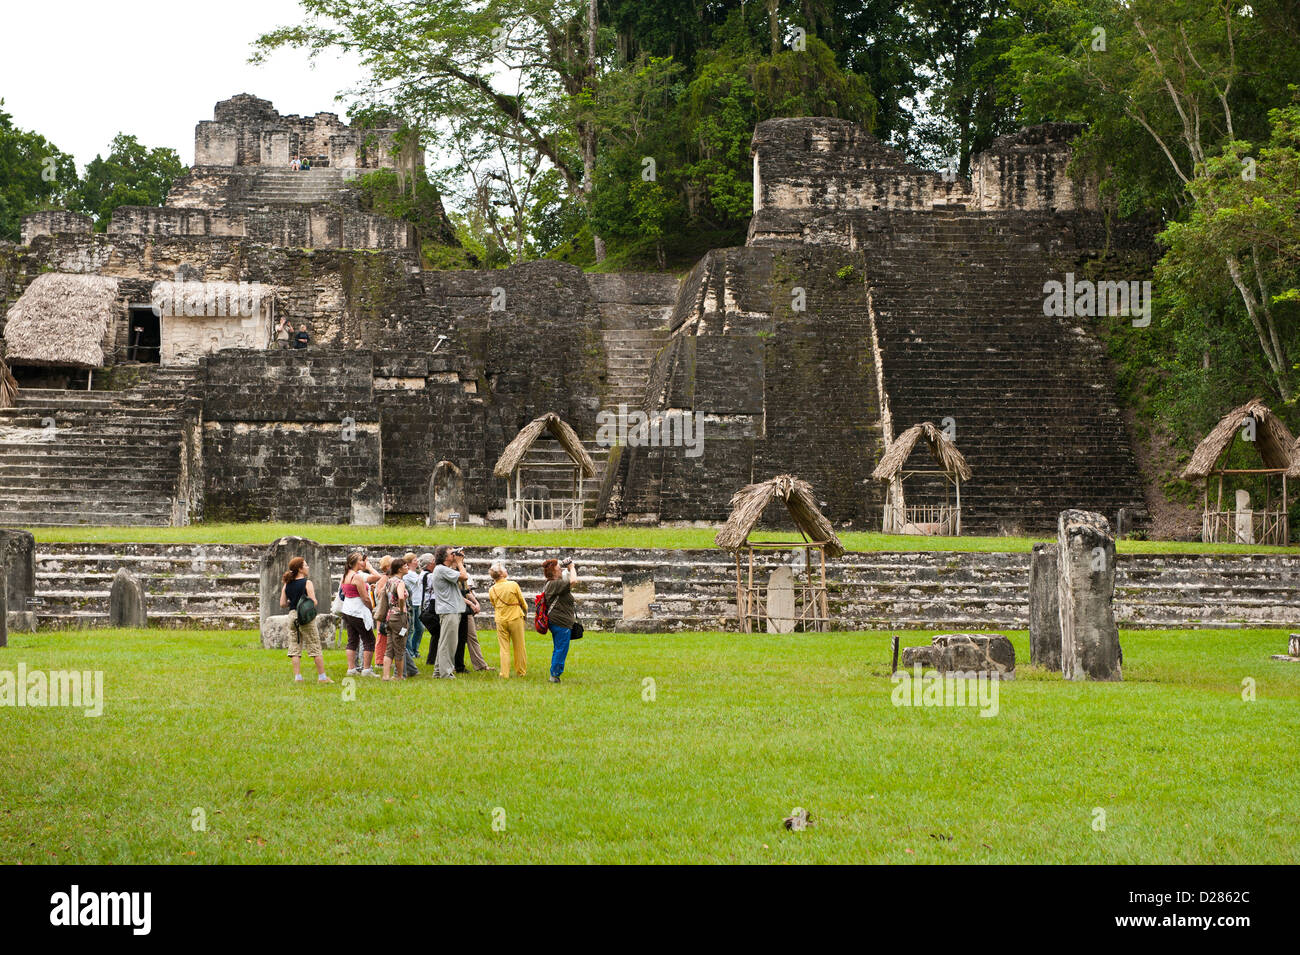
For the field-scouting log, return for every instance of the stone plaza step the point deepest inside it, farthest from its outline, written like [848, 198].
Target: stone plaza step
[217, 585]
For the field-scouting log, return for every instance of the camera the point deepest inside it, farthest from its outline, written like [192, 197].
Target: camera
[567, 562]
[458, 552]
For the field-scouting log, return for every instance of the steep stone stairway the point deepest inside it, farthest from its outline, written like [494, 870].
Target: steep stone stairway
[95, 457]
[959, 312]
[271, 186]
[633, 333]
[630, 353]
[216, 586]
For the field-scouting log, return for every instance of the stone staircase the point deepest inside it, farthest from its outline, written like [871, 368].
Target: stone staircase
[273, 186]
[96, 457]
[633, 333]
[216, 586]
[202, 586]
[630, 353]
[959, 313]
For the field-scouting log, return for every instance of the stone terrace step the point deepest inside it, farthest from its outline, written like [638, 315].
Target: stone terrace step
[965, 337]
[695, 589]
[111, 457]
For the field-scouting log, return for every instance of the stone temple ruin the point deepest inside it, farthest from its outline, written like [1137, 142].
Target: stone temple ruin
[869, 292]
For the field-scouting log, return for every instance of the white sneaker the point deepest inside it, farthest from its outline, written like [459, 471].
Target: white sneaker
[369, 672]
[353, 672]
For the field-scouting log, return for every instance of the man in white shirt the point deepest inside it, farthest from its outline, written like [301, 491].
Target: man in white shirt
[450, 606]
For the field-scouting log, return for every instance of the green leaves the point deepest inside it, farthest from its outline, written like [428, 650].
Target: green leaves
[131, 175]
[34, 174]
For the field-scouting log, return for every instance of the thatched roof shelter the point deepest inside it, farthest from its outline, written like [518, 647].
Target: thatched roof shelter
[63, 321]
[748, 504]
[568, 438]
[944, 451]
[1273, 440]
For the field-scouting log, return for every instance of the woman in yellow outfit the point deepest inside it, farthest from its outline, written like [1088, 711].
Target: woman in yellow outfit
[510, 609]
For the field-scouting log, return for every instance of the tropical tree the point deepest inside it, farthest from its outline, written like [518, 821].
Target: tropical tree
[131, 175]
[518, 75]
[1245, 217]
[1191, 81]
[34, 174]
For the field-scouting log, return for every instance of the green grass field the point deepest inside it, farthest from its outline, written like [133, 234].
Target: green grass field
[742, 730]
[397, 535]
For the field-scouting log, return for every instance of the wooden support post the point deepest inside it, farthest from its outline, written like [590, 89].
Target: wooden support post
[740, 595]
[959, 507]
[1206, 535]
[894, 646]
[750, 601]
[825, 596]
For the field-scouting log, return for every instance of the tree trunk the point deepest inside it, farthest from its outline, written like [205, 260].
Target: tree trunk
[774, 25]
[1262, 319]
[589, 128]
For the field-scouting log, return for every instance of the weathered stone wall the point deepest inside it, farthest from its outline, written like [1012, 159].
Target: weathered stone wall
[216, 188]
[773, 349]
[247, 131]
[808, 173]
[1029, 171]
[834, 164]
[287, 436]
[321, 227]
[164, 220]
[50, 221]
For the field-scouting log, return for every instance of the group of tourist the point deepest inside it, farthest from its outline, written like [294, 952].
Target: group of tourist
[296, 164]
[385, 612]
[286, 337]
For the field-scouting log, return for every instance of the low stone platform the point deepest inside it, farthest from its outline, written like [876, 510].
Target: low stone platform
[275, 632]
[215, 586]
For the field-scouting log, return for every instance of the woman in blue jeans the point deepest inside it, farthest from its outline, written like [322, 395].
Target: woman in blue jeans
[559, 610]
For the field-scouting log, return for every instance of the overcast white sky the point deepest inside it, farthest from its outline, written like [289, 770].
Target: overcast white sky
[80, 71]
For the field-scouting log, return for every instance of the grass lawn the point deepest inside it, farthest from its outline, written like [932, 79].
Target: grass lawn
[396, 535]
[742, 730]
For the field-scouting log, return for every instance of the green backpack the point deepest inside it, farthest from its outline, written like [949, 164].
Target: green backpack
[306, 610]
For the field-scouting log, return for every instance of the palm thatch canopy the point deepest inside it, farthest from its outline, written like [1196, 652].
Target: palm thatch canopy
[568, 438]
[1273, 440]
[748, 504]
[63, 320]
[944, 451]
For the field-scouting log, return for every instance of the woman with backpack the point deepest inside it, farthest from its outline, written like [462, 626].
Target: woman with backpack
[356, 613]
[295, 586]
[399, 620]
[560, 613]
